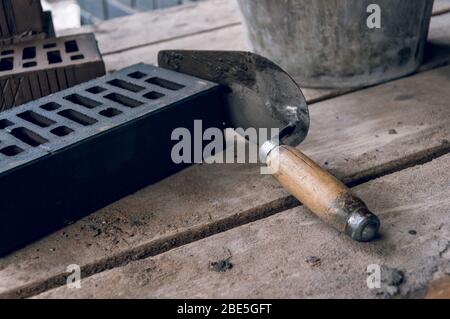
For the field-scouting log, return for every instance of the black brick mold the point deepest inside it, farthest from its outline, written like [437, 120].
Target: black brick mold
[67, 155]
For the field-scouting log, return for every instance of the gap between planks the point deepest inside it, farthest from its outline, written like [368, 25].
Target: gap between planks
[199, 233]
[294, 255]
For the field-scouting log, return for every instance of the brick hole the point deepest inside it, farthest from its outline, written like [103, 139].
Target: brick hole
[36, 119]
[6, 64]
[49, 45]
[137, 75]
[12, 150]
[29, 64]
[78, 117]
[29, 53]
[5, 123]
[77, 57]
[96, 90]
[126, 85]
[61, 131]
[54, 57]
[28, 137]
[7, 52]
[110, 112]
[52, 106]
[124, 100]
[153, 95]
[165, 84]
[82, 100]
[71, 46]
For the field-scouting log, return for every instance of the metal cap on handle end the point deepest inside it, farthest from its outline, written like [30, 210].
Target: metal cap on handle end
[362, 225]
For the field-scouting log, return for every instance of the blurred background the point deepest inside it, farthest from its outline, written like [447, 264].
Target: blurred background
[74, 13]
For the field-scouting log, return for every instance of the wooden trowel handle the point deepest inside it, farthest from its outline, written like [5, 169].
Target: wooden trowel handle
[322, 193]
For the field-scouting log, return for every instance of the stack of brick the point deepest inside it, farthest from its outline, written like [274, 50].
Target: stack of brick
[33, 63]
[22, 20]
[34, 69]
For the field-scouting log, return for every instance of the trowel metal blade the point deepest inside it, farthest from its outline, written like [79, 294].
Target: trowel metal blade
[259, 94]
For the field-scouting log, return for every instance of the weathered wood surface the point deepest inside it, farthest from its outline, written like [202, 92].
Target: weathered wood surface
[294, 255]
[123, 34]
[228, 38]
[441, 6]
[234, 38]
[356, 136]
[218, 26]
[438, 47]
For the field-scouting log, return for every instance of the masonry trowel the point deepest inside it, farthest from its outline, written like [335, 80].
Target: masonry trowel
[259, 94]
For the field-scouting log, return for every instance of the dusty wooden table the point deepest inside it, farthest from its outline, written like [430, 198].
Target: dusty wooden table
[227, 231]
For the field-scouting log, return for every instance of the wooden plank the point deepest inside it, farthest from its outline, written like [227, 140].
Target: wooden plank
[441, 6]
[214, 24]
[356, 136]
[222, 39]
[294, 255]
[118, 35]
[234, 38]
[231, 38]
[152, 27]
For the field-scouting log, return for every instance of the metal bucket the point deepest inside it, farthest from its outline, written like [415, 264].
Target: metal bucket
[328, 43]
